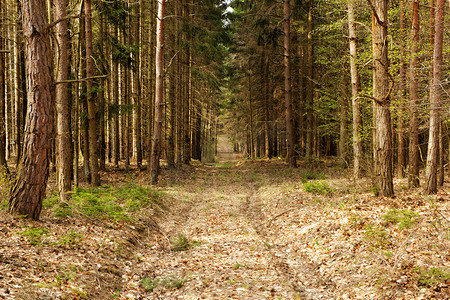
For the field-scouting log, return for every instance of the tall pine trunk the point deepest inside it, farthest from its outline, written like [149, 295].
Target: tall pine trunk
[356, 86]
[159, 93]
[435, 102]
[413, 170]
[3, 162]
[64, 158]
[382, 101]
[291, 159]
[31, 181]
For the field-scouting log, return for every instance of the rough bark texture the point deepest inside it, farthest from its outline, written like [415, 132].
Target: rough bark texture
[159, 93]
[435, 102]
[381, 94]
[356, 86]
[343, 101]
[93, 155]
[2, 92]
[402, 140]
[291, 159]
[413, 170]
[309, 83]
[64, 158]
[32, 174]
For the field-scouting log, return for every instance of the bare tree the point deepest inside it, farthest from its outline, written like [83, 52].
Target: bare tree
[64, 163]
[287, 86]
[159, 93]
[356, 86]
[435, 102]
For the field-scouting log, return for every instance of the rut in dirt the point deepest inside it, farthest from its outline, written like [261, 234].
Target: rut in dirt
[234, 256]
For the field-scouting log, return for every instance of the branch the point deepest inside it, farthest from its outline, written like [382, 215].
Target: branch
[82, 79]
[375, 13]
[62, 19]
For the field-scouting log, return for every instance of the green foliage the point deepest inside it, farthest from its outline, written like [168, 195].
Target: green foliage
[34, 234]
[182, 243]
[107, 202]
[5, 185]
[70, 240]
[317, 187]
[433, 276]
[376, 235]
[170, 282]
[404, 218]
[311, 175]
[149, 284]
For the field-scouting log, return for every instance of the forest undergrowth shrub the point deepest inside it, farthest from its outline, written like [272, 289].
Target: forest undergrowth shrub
[311, 175]
[34, 235]
[183, 243]
[169, 282]
[107, 202]
[403, 218]
[5, 186]
[317, 187]
[377, 236]
[432, 276]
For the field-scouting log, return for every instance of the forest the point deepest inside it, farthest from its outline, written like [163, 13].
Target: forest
[224, 149]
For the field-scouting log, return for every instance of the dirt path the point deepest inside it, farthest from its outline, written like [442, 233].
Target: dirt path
[234, 256]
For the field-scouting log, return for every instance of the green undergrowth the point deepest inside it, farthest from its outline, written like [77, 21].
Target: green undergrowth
[34, 235]
[403, 218]
[115, 203]
[169, 282]
[432, 276]
[183, 243]
[317, 187]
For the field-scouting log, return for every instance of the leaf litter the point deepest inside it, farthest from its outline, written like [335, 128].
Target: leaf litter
[238, 231]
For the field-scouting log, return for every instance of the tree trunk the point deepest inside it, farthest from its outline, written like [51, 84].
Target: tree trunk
[31, 181]
[435, 102]
[64, 159]
[402, 93]
[309, 84]
[291, 158]
[356, 86]
[343, 99]
[159, 93]
[3, 162]
[93, 155]
[413, 170]
[381, 94]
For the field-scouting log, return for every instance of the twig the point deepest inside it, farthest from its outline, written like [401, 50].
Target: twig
[82, 79]
[277, 216]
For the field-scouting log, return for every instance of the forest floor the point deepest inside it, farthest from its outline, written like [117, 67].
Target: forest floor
[231, 230]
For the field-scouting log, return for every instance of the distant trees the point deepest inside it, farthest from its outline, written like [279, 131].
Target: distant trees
[273, 76]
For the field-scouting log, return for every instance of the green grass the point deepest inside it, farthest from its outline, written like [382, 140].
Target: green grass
[169, 282]
[311, 175]
[403, 218]
[317, 187]
[34, 234]
[182, 243]
[107, 202]
[432, 276]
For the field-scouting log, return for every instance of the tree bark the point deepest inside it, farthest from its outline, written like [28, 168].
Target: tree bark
[159, 93]
[413, 170]
[64, 158]
[291, 158]
[381, 94]
[31, 181]
[3, 162]
[356, 86]
[93, 155]
[402, 94]
[309, 84]
[435, 102]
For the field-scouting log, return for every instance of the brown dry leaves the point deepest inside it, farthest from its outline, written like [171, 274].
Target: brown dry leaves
[253, 233]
